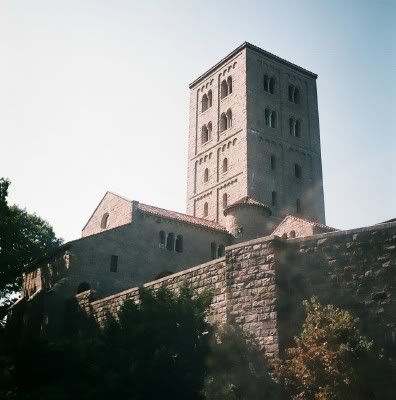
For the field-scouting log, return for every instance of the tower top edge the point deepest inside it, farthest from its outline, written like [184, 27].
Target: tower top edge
[247, 45]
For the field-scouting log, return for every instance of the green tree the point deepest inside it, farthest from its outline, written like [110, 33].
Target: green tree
[237, 369]
[330, 358]
[23, 238]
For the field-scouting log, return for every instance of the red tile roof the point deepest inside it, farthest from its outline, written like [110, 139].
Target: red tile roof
[160, 212]
[247, 201]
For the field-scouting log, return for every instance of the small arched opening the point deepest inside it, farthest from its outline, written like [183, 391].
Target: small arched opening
[179, 244]
[223, 89]
[170, 242]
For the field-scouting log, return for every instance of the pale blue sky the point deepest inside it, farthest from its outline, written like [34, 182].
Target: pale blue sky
[94, 97]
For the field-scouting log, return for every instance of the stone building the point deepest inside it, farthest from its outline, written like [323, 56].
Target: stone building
[254, 231]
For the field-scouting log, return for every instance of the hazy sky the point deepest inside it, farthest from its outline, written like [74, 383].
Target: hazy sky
[94, 97]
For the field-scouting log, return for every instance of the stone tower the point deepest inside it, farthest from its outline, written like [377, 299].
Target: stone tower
[254, 131]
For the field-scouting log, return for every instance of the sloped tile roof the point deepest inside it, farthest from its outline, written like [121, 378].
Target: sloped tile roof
[161, 212]
[307, 221]
[247, 201]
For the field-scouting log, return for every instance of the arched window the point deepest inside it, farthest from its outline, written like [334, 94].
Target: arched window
[205, 102]
[229, 118]
[225, 200]
[179, 244]
[291, 126]
[284, 236]
[223, 89]
[273, 161]
[213, 250]
[206, 175]
[170, 242]
[297, 128]
[273, 198]
[210, 98]
[292, 234]
[83, 287]
[204, 134]
[273, 120]
[225, 164]
[291, 93]
[298, 206]
[267, 116]
[266, 83]
[272, 85]
[229, 84]
[220, 250]
[105, 221]
[296, 98]
[206, 210]
[297, 171]
[223, 122]
[209, 130]
[162, 240]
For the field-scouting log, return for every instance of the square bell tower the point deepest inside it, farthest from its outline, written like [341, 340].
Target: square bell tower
[254, 131]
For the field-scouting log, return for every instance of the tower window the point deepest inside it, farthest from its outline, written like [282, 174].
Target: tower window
[105, 221]
[297, 171]
[113, 263]
[223, 89]
[225, 164]
[294, 94]
[269, 84]
[205, 210]
[179, 244]
[225, 200]
[298, 206]
[223, 122]
[271, 118]
[229, 118]
[206, 175]
[162, 240]
[205, 102]
[273, 161]
[210, 98]
[205, 136]
[273, 198]
[170, 242]
[229, 84]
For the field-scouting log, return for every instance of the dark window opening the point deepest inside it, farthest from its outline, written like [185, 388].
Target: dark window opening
[179, 244]
[113, 263]
[220, 251]
[273, 198]
[273, 161]
[292, 234]
[223, 89]
[297, 171]
[213, 250]
[298, 206]
[162, 240]
[206, 210]
[170, 242]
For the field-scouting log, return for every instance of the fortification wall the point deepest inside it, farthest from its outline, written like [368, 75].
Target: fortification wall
[260, 284]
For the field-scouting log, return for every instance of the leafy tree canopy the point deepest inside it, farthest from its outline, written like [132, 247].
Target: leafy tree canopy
[23, 238]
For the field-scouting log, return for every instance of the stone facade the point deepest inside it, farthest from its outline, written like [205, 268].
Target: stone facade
[249, 143]
[260, 284]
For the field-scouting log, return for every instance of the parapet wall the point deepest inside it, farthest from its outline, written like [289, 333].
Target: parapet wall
[260, 284]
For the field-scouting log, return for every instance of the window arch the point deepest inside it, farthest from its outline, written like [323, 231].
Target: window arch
[296, 98]
[205, 102]
[204, 134]
[170, 242]
[291, 93]
[206, 175]
[273, 119]
[273, 161]
[105, 221]
[229, 84]
[291, 126]
[210, 98]
[297, 128]
[225, 200]
[223, 89]
[229, 118]
[293, 234]
[225, 164]
[223, 122]
[162, 240]
[205, 209]
[271, 86]
[220, 250]
[179, 244]
[266, 83]
[273, 198]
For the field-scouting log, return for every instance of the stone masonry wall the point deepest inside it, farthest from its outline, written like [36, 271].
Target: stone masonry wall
[260, 284]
